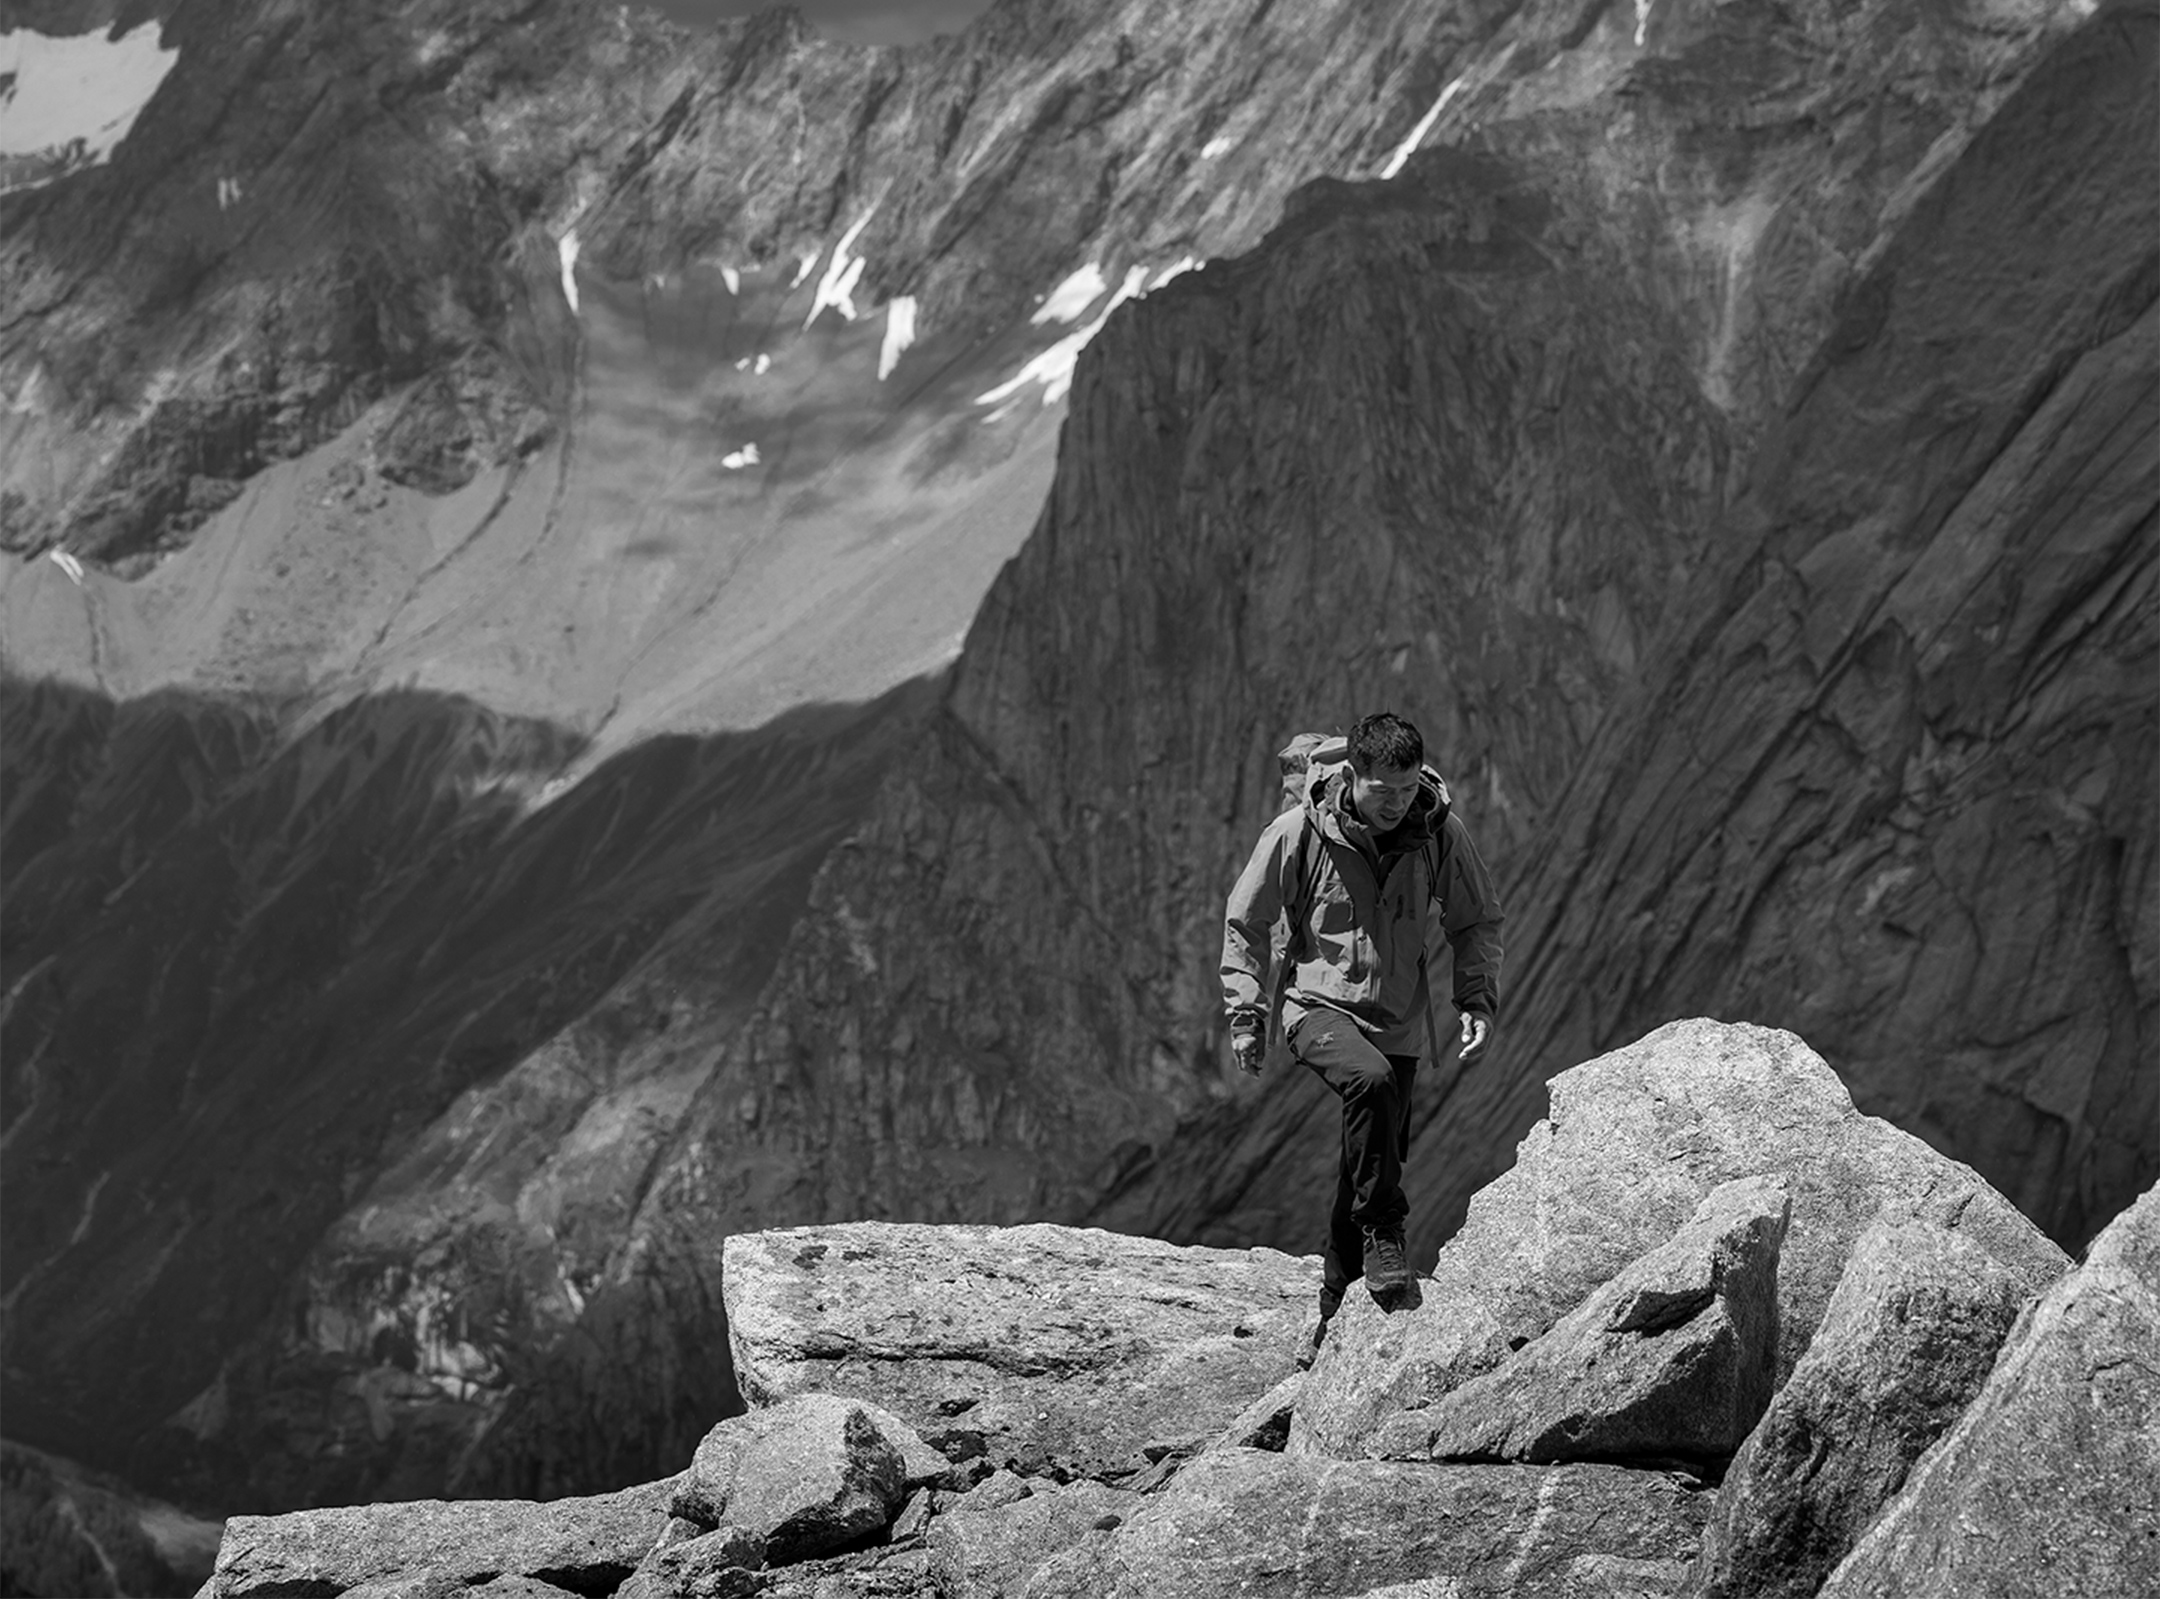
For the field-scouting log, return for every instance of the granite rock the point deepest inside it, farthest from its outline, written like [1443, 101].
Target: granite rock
[1673, 1359]
[1250, 1522]
[1635, 1141]
[2050, 1480]
[583, 1543]
[1908, 1338]
[714, 1565]
[1265, 1423]
[1041, 1345]
[990, 1553]
[806, 1475]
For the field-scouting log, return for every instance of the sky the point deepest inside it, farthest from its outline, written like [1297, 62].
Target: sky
[863, 21]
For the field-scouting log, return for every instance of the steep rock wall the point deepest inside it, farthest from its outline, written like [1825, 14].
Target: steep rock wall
[262, 966]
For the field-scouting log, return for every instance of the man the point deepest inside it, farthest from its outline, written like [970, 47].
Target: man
[1371, 869]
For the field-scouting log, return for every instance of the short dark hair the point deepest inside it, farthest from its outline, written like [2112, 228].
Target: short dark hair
[1385, 739]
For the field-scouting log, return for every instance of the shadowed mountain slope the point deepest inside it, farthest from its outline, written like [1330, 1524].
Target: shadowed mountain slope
[289, 955]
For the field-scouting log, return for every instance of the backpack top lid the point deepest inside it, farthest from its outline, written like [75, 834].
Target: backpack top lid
[1302, 756]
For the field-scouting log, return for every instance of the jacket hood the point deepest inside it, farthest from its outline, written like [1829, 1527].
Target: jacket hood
[1327, 800]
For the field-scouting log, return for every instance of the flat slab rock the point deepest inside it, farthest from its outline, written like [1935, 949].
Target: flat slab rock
[1039, 1344]
[2049, 1483]
[589, 1544]
[1249, 1522]
[1634, 1142]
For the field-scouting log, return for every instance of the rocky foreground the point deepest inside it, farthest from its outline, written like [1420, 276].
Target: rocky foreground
[1715, 1333]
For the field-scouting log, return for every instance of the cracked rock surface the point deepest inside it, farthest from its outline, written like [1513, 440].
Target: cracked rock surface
[2049, 1482]
[1050, 1346]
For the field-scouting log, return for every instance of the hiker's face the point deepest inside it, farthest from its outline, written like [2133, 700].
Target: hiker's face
[1383, 795]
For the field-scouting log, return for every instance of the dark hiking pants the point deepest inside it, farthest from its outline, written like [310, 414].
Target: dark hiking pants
[1375, 1094]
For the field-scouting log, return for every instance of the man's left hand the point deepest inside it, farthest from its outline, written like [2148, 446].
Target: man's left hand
[1476, 1034]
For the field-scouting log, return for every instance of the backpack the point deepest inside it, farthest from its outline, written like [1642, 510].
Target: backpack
[1300, 762]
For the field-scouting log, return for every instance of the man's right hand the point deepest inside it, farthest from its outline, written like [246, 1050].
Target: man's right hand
[1249, 1050]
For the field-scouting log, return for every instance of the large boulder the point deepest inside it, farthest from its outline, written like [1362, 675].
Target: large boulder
[1039, 1344]
[1244, 1522]
[1910, 1335]
[990, 1553]
[589, 1544]
[1674, 1358]
[1634, 1141]
[808, 1475]
[2050, 1481]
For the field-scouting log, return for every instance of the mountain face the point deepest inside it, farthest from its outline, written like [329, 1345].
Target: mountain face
[1758, 516]
[500, 812]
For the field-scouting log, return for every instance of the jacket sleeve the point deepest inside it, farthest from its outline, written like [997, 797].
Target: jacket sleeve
[1256, 902]
[1471, 919]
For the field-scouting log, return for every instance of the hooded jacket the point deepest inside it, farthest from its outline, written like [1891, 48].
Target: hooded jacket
[1375, 912]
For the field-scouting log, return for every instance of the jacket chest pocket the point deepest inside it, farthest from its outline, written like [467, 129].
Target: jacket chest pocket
[1334, 913]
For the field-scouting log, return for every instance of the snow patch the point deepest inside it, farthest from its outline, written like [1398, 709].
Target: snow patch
[73, 100]
[68, 564]
[842, 273]
[1176, 269]
[1642, 20]
[736, 460]
[1073, 296]
[1053, 369]
[1222, 144]
[29, 399]
[899, 334]
[732, 278]
[228, 193]
[567, 249]
[1408, 147]
[809, 265]
[1729, 236]
[764, 364]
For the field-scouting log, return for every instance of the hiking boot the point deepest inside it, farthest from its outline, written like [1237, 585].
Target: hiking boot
[1387, 1273]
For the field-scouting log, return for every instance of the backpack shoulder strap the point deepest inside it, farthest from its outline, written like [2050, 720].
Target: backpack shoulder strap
[1305, 857]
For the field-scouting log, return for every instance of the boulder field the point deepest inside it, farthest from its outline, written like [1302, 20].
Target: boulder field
[1712, 1335]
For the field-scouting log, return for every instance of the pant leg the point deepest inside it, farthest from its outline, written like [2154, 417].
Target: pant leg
[1371, 1088]
[1342, 1258]
[1406, 1067]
